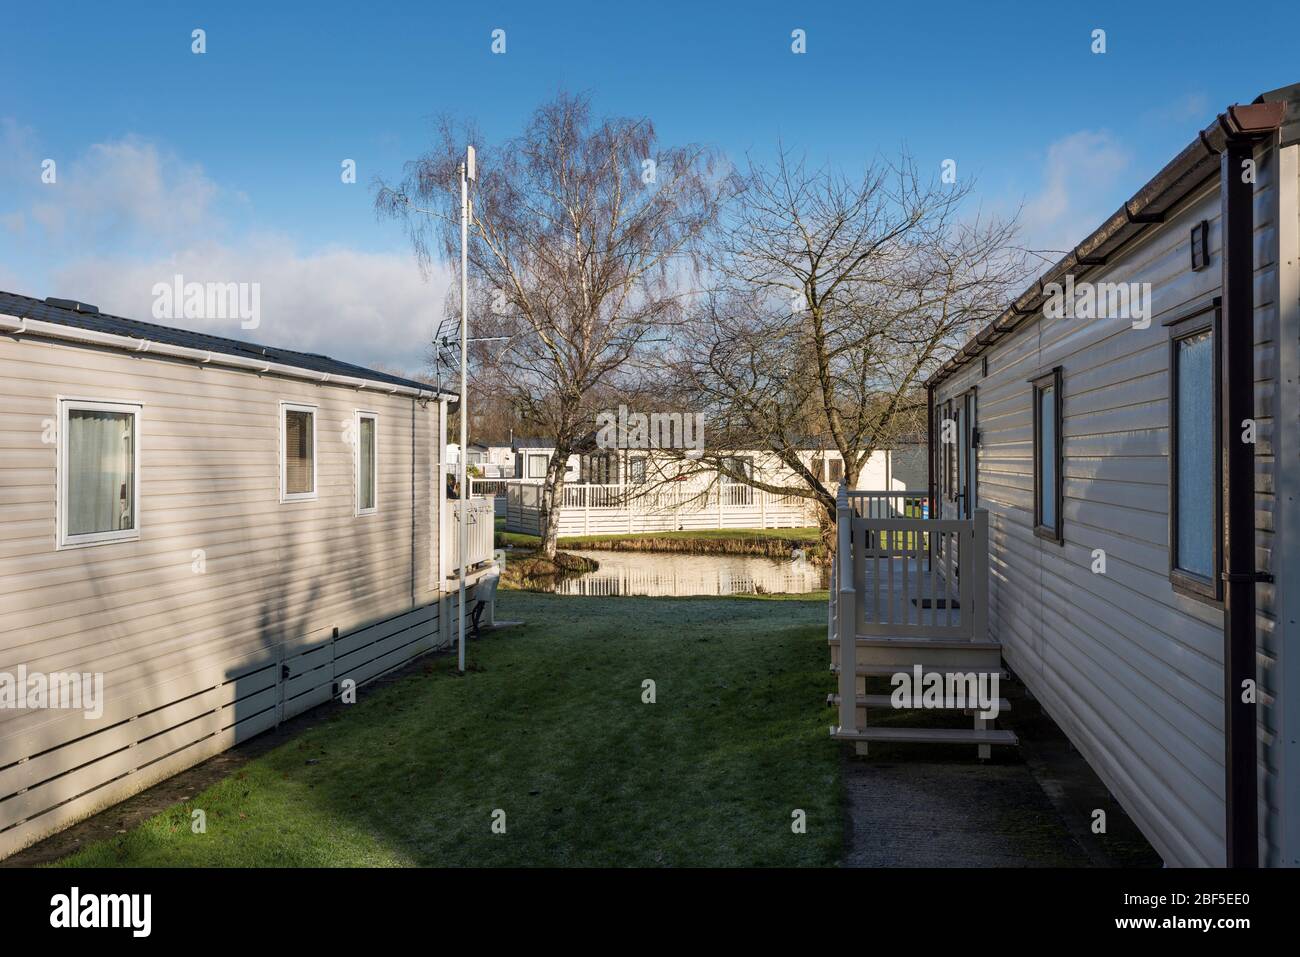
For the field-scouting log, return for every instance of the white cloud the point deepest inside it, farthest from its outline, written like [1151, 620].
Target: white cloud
[125, 215]
[1078, 191]
[366, 308]
[130, 190]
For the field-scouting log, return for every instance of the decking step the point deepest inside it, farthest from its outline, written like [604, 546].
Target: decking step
[929, 735]
[885, 671]
[887, 701]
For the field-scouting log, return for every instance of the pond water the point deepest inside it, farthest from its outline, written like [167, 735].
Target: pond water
[659, 574]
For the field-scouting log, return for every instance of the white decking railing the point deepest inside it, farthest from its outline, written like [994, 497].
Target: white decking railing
[903, 578]
[494, 489]
[487, 487]
[615, 509]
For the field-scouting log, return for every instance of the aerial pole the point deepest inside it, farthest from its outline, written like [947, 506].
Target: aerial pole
[466, 177]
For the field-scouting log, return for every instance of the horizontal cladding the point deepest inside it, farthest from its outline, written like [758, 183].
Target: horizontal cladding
[172, 725]
[1130, 669]
[200, 626]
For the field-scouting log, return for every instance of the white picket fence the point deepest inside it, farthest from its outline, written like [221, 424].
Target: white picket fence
[618, 509]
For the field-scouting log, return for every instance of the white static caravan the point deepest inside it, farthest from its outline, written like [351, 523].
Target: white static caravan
[627, 491]
[1141, 476]
[225, 532]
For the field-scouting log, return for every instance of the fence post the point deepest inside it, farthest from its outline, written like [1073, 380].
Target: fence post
[846, 611]
[980, 576]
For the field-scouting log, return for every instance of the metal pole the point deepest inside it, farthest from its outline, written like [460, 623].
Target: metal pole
[464, 402]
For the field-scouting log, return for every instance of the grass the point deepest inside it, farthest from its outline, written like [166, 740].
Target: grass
[549, 726]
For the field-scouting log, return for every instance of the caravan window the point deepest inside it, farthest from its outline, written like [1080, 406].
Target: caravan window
[961, 455]
[297, 452]
[1195, 510]
[600, 469]
[948, 438]
[536, 466]
[99, 472]
[636, 470]
[733, 466]
[367, 462]
[1047, 456]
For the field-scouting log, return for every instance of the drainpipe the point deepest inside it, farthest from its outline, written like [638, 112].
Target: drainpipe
[1239, 577]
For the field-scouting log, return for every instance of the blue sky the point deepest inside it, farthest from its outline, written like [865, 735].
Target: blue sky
[225, 166]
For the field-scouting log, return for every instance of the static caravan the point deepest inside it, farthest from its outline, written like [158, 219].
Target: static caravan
[632, 491]
[1131, 424]
[198, 539]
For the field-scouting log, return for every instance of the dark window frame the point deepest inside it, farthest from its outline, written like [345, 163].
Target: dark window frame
[741, 464]
[632, 463]
[598, 468]
[528, 465]
[966, 456]
[834, 465]
[1055, 531]
[1205, 318]
[949, 453]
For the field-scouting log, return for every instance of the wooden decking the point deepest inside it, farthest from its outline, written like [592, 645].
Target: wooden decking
[911, 595]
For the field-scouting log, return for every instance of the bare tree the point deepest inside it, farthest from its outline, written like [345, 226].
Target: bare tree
[582, 231]
[836, 300]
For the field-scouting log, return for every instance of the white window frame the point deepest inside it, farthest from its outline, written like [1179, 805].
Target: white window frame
[63, 539]
[358, 415]
[285, 496]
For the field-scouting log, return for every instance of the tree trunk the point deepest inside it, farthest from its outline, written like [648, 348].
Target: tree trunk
[826, 515]
[553, 501]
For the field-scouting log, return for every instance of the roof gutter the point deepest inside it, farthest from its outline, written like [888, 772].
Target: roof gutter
[1191, 168]
[20, 326]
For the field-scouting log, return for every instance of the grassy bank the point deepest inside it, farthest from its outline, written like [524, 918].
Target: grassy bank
[769, 542]
[549, 727]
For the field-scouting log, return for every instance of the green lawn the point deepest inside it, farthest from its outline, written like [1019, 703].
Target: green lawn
[549, 726]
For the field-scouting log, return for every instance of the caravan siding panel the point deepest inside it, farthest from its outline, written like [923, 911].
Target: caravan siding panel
[221, 619]
[1129, 668]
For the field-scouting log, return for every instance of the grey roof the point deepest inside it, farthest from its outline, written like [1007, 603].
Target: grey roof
[25, 307]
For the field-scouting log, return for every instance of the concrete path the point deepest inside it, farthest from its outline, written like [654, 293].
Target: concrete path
[1030, 806]
[913, 813]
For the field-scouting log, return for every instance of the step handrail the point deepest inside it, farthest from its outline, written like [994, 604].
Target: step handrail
[846, 611]
[848, 592]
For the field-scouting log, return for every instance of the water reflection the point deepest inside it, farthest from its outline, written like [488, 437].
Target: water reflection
[667, 575]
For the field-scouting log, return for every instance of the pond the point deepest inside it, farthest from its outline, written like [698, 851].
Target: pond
[659, 574]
